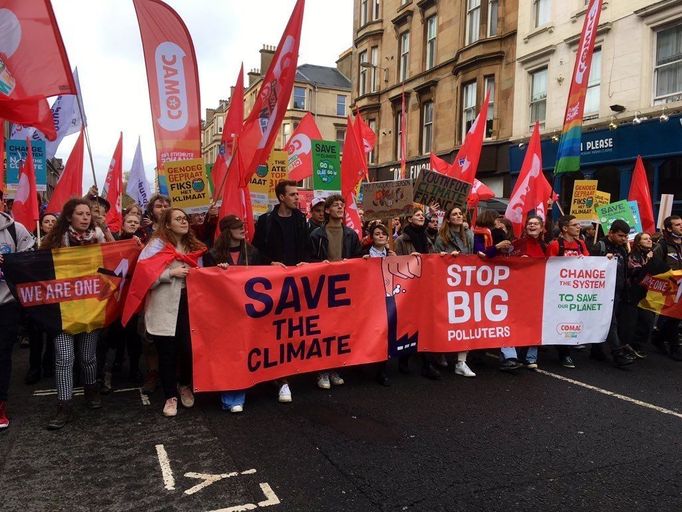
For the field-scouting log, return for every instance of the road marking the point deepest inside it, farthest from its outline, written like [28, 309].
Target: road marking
[270, 500]
[209, 478]
[76, 391]
[166, 471]
[144, 397]
[606, 392]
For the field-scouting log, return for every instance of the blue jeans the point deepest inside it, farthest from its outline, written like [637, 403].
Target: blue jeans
[510, 353]
[231, 398]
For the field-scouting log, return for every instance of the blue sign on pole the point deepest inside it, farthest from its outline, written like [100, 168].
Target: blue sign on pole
[15, 151]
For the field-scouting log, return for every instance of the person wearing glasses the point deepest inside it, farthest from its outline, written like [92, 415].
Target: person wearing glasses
[569, 243]
[166, 315]
[455, 238]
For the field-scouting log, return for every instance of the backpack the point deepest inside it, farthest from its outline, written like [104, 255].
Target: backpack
[562, 247]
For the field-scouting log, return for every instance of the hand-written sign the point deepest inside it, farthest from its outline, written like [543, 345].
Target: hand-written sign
[433, 187]
[384, 199]
[582, 205]
[188, 185]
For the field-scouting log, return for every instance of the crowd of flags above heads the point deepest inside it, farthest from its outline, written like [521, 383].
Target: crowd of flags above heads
[29, 76]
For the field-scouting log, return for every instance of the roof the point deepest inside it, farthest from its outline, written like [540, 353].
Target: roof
[322, 76]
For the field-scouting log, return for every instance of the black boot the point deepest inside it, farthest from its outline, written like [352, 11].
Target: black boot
[63, 416]
[92, 398]
[676, 352]
[429, 371]
[622, 358]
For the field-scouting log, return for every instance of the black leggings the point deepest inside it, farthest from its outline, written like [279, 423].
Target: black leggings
[175, 353]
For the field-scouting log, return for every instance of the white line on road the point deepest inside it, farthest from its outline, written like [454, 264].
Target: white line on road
[166, 471]
[76, 391]
[209, 478]
[144, 397]
[271, 497]
[606, 392]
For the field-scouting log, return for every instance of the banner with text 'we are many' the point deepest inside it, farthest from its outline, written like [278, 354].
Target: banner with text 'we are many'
[72, 289]
[324, 316]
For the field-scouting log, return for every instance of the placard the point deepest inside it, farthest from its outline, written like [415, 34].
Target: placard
[15, 152]
[582, 204]
[326, 167]
[665, 209]
[433, 187]
[614, 211]
[188, 185]
[386, 199]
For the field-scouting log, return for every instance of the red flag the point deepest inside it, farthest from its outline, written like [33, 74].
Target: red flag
[231, 129]
[173, 81]
[153, 260]
[261, 127]
[439, 165]
[70, 182]
[113, 187]
[465, 165]
[403, 137]
[32, 111]
[353, 163]
[237, 198]
[639, 191]
[351, 215]
[543, 193]
[523, 197]
[25, 207]
[33, 64]
[480, 192]
[300, 162]
[367, 135]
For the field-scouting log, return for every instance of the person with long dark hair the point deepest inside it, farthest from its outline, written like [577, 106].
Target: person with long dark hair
[166, 315]
[75, 228]
[229, 249]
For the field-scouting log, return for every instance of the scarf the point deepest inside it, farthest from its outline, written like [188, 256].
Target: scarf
[73, 238]
[418, 236]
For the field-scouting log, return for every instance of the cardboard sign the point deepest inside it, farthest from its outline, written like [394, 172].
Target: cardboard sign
[601, 198]
[614, 211]
[386, 199]
[326, 167]
[637, 227]
[665, 209]
[277, 171]
[15, 152]
[295, 320]
[433, 187]
[188, 185]
[582, 205]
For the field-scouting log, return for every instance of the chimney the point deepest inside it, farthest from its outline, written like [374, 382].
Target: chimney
[254, 76]
[266, 55]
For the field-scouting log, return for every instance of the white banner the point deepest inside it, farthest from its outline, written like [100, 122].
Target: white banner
[578, 300]
[138, 187]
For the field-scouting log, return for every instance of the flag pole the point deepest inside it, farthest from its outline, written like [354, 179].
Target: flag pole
[38, 231]
[87, 136]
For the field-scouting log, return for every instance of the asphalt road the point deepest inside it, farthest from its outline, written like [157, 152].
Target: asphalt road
[530, 441]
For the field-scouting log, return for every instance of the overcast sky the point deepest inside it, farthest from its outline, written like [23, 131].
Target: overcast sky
[102, 39]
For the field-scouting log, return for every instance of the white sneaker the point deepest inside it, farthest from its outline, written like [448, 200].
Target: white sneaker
[336, 379]
[284, 394]
[462, 369]
[236, 408]
[323, 381]
[186, 396]
[170, 409]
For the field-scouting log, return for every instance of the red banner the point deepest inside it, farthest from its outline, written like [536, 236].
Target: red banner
[173, 82]
[285, 322]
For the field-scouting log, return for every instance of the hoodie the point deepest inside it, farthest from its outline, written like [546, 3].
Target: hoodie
[25, 242]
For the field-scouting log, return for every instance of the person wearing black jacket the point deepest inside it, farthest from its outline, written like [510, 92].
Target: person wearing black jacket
[316, 219]
[669, 251]
[614, 246]
[282, 235]
[334, 242]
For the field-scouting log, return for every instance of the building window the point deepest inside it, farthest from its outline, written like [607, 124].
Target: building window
[489, 87]
[340, 135]
[299, 98]
[363, 12]
[340, 105]
[594, 86]
[473, 28]
[398, 134]
[668, 69]
[492, 17]
[538, 96]
[375, 10]
[374, 70]
[404, 63]
[286, 134]
[371, 157]
[431, 31]
[427, 127]
[541, 12]
[468, 107]
[362, 73]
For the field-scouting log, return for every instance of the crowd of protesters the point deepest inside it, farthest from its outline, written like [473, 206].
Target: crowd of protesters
[160, 334]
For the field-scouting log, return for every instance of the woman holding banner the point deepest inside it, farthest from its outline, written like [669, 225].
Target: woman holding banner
[75, 228]
[231, 248]
[414, 241]
[455, 238]
[159, 281]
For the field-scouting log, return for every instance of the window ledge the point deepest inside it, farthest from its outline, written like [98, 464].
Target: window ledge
[549, 28]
